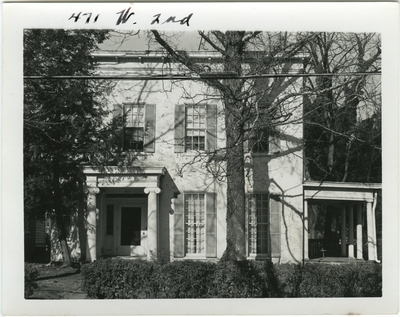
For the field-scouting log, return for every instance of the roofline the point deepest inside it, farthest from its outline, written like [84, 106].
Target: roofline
[341, 185]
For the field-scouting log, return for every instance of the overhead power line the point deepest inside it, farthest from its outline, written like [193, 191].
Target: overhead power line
[206, 75]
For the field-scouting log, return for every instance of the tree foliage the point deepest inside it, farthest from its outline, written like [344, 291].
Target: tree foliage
[63, 122]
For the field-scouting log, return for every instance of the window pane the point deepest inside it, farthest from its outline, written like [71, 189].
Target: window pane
[194, 222]
[258, 217]
[133, 139]
[195, 127]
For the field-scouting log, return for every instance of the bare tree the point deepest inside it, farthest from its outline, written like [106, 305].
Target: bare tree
[250, 106]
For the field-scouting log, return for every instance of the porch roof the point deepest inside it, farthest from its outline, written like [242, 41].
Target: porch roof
[124, 176]
[333, 192]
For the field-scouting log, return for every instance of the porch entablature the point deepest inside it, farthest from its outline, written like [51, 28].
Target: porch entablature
[117, 177]
[345, 192]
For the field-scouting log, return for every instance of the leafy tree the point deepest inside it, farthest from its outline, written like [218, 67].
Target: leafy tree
[63, 124]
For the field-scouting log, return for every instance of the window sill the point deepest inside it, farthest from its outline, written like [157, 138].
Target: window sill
[255, 256]
[195, 256]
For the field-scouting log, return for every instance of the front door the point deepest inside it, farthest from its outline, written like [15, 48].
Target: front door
[130, 236]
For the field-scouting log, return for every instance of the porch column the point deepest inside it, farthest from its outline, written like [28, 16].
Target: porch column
[359, 233]
[351, 231]
[343, 232]
[91, 222]
[370, 232]
[152, 221]
[305, 231]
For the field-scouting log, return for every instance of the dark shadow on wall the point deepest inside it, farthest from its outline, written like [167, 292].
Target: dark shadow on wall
[169, 192]
[262, 182]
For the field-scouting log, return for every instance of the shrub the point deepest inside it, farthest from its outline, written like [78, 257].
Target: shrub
[31, 275]
[239, 279]
[287, 280]
[187, 279]
[345, 280]
[120, 279]
[246, 279]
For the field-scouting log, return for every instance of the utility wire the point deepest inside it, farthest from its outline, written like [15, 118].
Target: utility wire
[207, 75]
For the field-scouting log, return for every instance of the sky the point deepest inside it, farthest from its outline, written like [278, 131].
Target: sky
[140, 42]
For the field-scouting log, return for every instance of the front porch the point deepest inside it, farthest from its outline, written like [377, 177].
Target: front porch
[347, 231]
[123, 211]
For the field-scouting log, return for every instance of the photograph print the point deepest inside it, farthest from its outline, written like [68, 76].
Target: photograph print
[201, 164]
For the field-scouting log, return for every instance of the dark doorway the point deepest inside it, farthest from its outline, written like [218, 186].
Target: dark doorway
[130, 225]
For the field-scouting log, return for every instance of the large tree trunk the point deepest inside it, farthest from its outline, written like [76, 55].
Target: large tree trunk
[235, 214]
[81, 222]
[235, 217]
[62, 232]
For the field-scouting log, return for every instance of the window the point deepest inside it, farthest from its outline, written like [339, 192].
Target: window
[258, 223]
[194, 223]
[134, 127]
[110, 220]
[139, 130]
[260, 142]
[195, 127]
[260, 136]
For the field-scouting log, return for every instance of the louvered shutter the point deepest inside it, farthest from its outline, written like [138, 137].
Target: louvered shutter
[179, 129]
[150, 128]
[211, 226]
[275, 225]
[179, 228]
[211, 126]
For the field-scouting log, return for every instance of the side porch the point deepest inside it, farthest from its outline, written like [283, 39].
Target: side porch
[340, 222]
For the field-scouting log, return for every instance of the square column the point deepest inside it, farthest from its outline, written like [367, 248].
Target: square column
[152, 222]
[343, 232]
[359, 233]
[91, 219]
[351, 232]
[371, 232]
[305, 231]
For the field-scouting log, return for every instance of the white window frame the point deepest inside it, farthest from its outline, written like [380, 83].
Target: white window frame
[195, 232]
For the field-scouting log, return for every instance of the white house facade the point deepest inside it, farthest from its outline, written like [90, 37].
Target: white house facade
[165, 201]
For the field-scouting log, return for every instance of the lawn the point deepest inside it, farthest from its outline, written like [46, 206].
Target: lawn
[56, 282]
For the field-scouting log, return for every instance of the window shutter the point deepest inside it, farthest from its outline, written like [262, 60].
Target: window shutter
[211, 125]
[179, 228]
[179, 128]
[211, 226]
[150, 128]
[275, 225]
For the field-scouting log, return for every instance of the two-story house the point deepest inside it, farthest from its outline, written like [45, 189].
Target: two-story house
[165, 201]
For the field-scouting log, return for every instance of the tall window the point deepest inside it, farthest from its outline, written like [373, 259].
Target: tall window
[260, 142]
[194, 223]
[195, 127]
[134, 127]
[259, 139]
[258, 215]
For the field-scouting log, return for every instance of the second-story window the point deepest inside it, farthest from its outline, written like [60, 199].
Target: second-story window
[260, 141]
[134, 127]
[195, 127]
[138, 131]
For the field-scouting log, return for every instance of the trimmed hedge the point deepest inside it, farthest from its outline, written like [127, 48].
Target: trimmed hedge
[31, 275]
[116, 278]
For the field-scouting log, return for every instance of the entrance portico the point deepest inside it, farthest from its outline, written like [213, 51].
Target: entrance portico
[349, 201]
[123, 211]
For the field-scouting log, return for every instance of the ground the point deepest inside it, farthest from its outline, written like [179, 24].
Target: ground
[56, 282]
